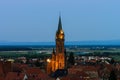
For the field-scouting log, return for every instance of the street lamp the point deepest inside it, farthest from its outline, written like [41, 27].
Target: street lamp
[48, 60]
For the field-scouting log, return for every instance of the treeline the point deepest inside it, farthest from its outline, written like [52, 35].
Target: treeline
[28, 55]
[14, 48]
[101, 54]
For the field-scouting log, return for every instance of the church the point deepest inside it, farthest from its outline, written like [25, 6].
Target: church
[58, 60]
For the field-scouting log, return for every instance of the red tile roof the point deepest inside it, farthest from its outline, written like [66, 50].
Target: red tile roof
[5, 67]
[1, 69]
[15, 76]
[42, 76]
[2, 78]
[33, 70]
[81, 73]
[89, 68]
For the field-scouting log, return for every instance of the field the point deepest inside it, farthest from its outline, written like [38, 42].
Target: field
[45, 51]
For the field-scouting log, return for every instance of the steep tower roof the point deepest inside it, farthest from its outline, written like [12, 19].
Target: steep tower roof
[60, 32]
[59, 24]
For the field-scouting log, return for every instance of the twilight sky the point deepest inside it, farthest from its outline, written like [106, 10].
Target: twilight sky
[37, 20]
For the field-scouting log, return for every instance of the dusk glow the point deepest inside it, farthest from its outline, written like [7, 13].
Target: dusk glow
[37, 20]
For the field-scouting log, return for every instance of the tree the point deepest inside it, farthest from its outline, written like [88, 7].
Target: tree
[112, 61]
[113, 75]
[71, 59]
[37, 63]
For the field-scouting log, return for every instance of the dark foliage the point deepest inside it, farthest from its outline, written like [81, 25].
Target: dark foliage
[113, 75]
[71, 59]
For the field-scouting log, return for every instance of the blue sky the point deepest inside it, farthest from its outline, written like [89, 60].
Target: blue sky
[37, 20]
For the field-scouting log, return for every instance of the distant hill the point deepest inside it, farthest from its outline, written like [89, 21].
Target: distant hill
[27, 43]
[109, 42]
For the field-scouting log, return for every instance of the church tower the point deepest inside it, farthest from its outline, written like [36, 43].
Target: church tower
[58, 57]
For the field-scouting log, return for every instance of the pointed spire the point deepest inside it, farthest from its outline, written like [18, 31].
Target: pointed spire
[59, 24]
[53, 50]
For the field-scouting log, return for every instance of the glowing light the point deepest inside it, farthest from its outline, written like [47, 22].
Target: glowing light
[48, 60]
[61, 36]
[61, 32]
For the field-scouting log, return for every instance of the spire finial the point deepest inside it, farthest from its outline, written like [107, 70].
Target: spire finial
[60, 23]
[59, 14]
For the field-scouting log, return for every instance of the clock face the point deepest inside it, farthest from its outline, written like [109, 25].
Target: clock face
[61, 36]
